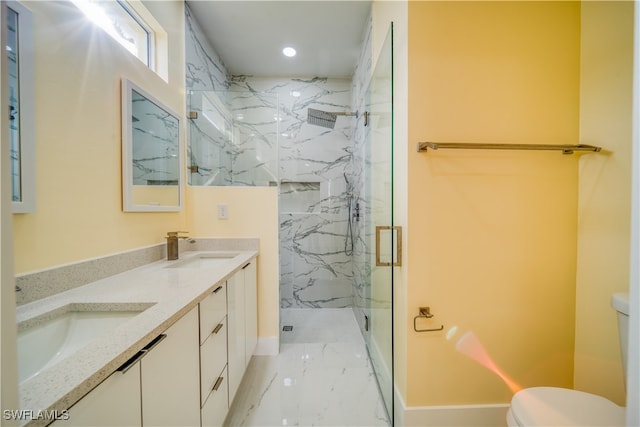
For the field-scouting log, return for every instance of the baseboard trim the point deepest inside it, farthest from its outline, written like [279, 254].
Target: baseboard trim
[450, 415]
[267, 346]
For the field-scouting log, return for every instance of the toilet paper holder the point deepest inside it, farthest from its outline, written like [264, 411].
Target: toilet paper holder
[425, 313]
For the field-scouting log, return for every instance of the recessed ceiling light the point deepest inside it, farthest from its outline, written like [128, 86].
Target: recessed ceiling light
[289, 51]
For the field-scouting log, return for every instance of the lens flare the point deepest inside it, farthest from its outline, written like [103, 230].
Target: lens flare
[451, 332]
[470, 346]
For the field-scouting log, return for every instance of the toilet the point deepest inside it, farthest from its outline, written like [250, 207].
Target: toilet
[554, 406]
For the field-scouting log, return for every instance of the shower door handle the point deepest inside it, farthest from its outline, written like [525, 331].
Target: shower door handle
[394, 257]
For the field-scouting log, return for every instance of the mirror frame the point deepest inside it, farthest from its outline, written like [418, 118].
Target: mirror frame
[128, 202]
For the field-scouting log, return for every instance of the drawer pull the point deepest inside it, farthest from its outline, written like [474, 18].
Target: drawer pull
[132, 361]
[154, 343]
[247, 265]
[216, 386]
[216, 290]
[217, 328]
[139, 355]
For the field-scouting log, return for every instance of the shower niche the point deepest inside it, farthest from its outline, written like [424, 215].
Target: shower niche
[299, 196]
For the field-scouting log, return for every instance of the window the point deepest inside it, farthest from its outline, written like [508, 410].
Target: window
[14, 103]
[19, 51]
[121, 20]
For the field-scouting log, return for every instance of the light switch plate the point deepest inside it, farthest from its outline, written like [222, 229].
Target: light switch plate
[223, 211]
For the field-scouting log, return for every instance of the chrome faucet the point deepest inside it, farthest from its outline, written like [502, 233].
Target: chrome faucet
[172, 244]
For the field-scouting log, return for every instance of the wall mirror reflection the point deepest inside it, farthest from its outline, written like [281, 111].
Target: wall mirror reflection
[151, 153]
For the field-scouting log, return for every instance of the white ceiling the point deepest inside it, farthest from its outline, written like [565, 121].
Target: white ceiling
[249, 35]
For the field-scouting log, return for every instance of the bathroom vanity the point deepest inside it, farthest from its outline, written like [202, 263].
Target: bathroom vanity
[163, 344]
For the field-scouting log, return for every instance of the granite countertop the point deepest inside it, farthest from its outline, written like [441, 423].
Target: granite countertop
[169, 293]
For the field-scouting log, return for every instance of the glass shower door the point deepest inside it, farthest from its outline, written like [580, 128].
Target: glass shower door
[382, 236]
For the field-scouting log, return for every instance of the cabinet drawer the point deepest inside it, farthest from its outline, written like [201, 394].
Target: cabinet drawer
[216, 406]
[212, 309]
[213, 358]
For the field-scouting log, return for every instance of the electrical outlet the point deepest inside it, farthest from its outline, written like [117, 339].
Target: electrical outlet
[223, 211]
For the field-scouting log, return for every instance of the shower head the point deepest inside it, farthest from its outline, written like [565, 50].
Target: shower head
[325, 119]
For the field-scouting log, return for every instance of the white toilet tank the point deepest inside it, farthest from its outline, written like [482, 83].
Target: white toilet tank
[620, 302]
[553, 406]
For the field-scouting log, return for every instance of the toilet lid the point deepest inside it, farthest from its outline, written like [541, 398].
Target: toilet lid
[552, 406]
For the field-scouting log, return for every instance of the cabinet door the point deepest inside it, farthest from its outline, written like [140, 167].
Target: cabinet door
[251, 309]
[235, 330]
[114, 402]
[170, 377]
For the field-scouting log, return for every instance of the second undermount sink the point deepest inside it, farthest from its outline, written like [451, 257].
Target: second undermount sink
[45, 341]
[205, 260]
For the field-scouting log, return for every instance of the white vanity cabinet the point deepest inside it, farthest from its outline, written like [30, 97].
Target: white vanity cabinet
[188, 375]
[114, 402]
[242, 327]
[159, 386]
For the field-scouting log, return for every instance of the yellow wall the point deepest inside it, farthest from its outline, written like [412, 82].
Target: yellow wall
[604, 198]
[492, 235]
[78, 174]
[252, 212]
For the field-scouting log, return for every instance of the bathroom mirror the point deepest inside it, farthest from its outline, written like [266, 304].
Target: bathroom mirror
[151, 153]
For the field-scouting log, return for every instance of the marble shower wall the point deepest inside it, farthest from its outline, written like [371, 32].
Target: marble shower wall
[314, 170]
[205, 70]
[233, 139]
[255, 142]
[210, 147]
[210, 150]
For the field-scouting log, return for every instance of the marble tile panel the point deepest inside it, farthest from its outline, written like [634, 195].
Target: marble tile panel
[205, 70]
[315, 271]
[210, 148]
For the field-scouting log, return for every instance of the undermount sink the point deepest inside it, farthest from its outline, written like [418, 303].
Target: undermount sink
[54, 336]
[207, 260]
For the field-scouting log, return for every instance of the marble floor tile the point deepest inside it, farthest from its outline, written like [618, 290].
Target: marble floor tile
[322, 376]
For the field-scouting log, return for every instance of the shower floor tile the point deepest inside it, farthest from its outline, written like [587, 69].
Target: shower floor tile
[322, 325]
[326, 382]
